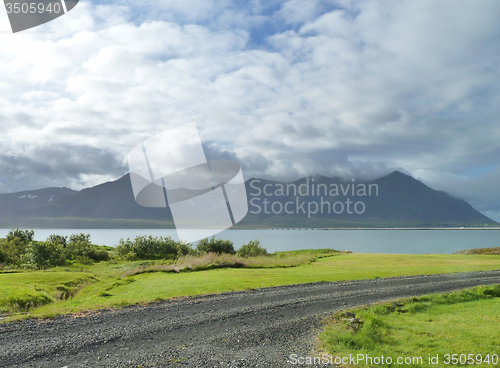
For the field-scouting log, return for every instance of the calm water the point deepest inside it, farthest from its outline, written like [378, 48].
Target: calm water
[362, 241]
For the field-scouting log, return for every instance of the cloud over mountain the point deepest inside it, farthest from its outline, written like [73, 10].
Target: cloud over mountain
[288, 88]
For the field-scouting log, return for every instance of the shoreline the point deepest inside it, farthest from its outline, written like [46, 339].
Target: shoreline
[264, 228]
[413, 228]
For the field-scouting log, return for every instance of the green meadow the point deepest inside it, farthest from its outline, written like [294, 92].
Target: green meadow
[113, 284]
[453, 329]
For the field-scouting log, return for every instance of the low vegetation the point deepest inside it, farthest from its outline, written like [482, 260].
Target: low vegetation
[115, 283]
[212, 245]
[68, 264]
[209, 261]
[490, 251]
[21, 292]
[252, 249]
[153, 248]
[420, 328]
[148, 247]
[19, 250]
[70, 274]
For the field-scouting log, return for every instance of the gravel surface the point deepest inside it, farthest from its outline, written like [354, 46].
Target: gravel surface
[259, 328]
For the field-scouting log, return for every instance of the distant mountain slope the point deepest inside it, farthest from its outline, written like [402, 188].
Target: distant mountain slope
[405, 198]
[111, 200]
[14, 204]
[396, 200]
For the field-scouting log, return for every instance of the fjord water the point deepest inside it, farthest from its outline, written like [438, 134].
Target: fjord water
[359, 241]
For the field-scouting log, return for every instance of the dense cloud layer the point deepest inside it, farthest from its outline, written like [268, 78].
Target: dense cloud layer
[287, 88]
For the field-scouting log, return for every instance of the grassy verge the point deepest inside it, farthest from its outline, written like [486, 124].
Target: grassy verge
[20, 292]
[428, 327]
[212, 261]
[108, 289]
[491, 251]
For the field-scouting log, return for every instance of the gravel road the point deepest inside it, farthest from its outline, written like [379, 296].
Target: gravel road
[259, 328]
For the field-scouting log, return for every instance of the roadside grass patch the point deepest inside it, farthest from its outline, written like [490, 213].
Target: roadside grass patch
[212, 260]
[462, 322]
[108, 289]
[22, 292]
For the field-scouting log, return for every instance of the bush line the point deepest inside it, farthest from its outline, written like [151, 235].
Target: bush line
[20, 250]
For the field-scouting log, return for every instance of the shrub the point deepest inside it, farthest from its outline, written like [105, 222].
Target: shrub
[13, 247]
[183, 249]
[25, 236]
[100, 255]
[125, 249]
[215, 246]
[13, 250]
[252, 249]
[3, 250]
[75, 238]
[77, 249]
[80, 249]
[58, 239]
[150, 248]
[44, 254]
[19, 249]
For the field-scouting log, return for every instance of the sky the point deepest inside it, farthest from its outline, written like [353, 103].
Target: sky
[286, 88]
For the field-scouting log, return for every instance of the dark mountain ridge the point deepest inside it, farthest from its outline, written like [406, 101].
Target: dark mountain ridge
[15, 204]
[394, 200]
[396, 197]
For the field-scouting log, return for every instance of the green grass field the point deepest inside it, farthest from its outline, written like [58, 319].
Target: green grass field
[24, 291]
[464, 323]
[77, 288]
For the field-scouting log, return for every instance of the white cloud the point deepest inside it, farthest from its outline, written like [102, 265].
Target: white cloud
[360, 88]
[299, 11]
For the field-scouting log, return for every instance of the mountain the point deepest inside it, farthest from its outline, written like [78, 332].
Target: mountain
[112, 200]
[395, 200]
[15, 204]
[108, 205]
